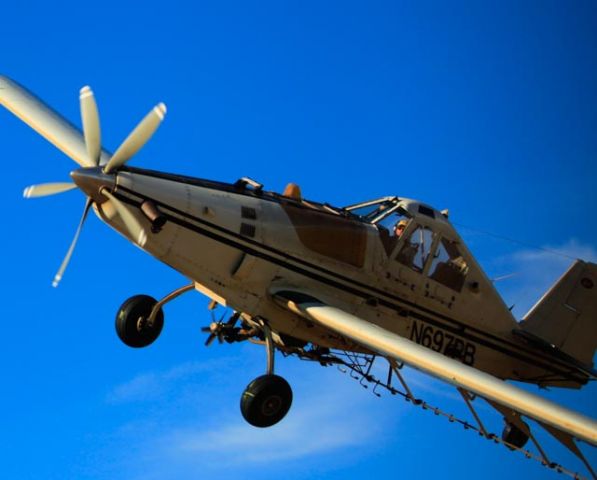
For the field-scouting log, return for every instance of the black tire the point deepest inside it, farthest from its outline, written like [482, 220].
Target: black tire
[133, 331]
[514, 435]
[266, 401]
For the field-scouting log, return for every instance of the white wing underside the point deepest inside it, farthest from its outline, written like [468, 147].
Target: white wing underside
[556, 418]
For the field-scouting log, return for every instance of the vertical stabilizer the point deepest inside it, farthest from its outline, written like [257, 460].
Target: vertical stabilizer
[566, 316]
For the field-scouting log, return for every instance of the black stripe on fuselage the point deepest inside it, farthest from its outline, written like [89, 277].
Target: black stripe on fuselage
[352, 286]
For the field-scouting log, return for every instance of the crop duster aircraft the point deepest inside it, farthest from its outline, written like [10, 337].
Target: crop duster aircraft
[384, 279]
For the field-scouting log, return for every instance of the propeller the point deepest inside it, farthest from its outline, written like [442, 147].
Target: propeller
[219, 329]
[71, 249]
[138, 137]
[130, 221]
[45, 189]
[212, 330]
[92, 136]
[91, 126]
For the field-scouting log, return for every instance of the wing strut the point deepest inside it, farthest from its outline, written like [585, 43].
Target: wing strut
[568, 441]
[395, 368]
[468, 400]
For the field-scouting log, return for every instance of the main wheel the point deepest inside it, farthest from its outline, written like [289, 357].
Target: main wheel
[266, 401]
[514, 435]
[131, 321]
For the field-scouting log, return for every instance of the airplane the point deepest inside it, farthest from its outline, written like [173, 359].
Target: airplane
[387, 279]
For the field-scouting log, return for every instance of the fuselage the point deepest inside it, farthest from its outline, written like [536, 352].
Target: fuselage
[239, 244]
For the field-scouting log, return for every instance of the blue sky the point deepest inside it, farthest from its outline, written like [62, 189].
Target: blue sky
[486, 108]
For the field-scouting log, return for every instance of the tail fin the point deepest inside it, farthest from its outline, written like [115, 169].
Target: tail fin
[566, 316]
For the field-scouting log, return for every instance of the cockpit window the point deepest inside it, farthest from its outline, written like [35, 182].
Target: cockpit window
[416, 248]
[394, 219]
[391, 227]
[448, 266]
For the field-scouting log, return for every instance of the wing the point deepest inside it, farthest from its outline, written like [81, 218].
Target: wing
[45, 121]
[511, 401]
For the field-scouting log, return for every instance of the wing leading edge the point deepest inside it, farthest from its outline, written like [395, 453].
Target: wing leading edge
[388, 344]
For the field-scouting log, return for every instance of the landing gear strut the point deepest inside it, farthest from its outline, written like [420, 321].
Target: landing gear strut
[267, 399]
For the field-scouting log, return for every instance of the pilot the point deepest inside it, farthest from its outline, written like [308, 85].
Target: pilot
[399, 227]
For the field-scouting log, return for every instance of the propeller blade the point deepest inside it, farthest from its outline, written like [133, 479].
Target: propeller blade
[91, 126]
[45, 189]
[137, 138]
[71, 249]
[135, 229]
[209, 340]
[233, 319]
[45, 121]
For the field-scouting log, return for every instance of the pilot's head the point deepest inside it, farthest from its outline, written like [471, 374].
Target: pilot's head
[399, 227]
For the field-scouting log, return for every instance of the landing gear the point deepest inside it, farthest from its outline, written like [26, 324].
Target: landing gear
[514, 436]
[140, 319]
[132, 325]
[266, 401]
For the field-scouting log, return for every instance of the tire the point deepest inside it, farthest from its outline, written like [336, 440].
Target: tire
[130, 330]
[266, 401]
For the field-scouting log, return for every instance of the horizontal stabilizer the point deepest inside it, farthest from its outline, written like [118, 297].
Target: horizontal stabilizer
[45, 121]
[566, 316]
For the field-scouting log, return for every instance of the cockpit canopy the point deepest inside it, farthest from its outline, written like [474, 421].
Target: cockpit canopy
[378, 211]
[416, 236]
